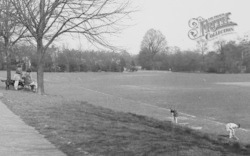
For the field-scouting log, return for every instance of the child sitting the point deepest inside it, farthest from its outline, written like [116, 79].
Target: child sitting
[17, 77]
[28, 80]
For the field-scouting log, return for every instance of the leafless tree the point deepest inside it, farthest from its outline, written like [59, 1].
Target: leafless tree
[10, 30]
[202, 47]
[46, 20]
[220, 46]
[154, 41]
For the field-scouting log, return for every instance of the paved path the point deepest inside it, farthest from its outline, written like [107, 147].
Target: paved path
[19, 139]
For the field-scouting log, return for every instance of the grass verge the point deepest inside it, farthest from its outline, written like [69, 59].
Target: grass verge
[78, 128]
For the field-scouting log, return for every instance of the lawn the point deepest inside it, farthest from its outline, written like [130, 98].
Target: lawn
[70, 116]
[214, 96]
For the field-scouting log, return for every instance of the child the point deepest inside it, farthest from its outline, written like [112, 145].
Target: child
[174, 114]
[231, 128]
[28, 80]
[19, 69]
[17, 77]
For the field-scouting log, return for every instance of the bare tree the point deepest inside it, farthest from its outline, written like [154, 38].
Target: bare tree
[202, 47]
[10, 30]
[220, 46]
[153, 42]
[48, 19]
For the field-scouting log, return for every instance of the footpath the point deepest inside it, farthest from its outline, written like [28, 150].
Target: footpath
[19, 139]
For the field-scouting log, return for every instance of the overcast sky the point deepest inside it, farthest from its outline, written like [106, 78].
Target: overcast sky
[171, 18]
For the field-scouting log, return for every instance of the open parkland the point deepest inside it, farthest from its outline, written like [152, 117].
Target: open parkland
[205, 102]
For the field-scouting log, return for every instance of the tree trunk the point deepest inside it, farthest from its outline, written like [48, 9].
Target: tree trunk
[40, 68]
[2, 61]
[8, 60]
[8, 66]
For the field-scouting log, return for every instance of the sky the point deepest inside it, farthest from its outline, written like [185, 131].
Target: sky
[171, 18]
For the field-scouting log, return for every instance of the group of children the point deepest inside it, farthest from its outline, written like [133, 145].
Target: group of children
[231, 127]
[25, 78]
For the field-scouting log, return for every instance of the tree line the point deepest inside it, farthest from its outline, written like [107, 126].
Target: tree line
[227, 57]
[69, 60]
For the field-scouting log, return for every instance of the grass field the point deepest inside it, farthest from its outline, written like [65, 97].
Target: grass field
[224, 98]
[61, 115]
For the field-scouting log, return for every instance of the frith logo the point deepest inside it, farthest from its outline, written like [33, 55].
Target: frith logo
[210, 28]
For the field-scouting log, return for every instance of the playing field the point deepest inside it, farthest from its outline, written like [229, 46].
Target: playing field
[219, 97]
